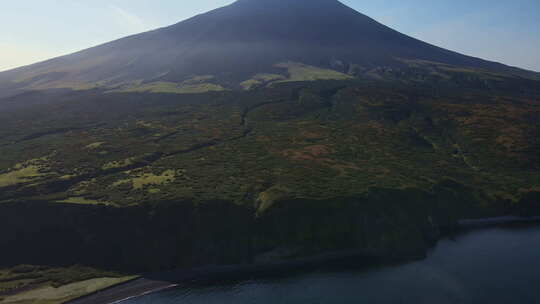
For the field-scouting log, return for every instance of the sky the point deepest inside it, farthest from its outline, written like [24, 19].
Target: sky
[498, 30]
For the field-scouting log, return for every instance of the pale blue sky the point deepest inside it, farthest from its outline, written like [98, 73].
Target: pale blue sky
[499, 30]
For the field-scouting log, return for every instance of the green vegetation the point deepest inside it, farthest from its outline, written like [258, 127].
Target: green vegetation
[139, 181]
[62, 294]
[296, 72]
[194, 85]
[25, 172]
[25, 284]
[94, 146]
[450, 72]
[260, 79]
[171, 87]
[345, 135]
[302, 72]
[118, 164]
[83, 201]
[19, 176]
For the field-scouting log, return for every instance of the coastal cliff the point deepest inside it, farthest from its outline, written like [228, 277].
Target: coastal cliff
[389, 224]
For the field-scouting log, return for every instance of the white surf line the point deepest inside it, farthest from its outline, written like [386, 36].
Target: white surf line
[146, 293]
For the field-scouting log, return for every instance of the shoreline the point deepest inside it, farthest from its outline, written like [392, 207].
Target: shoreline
[135, 288]
[158, 282]
[495, 221]
[147, 293]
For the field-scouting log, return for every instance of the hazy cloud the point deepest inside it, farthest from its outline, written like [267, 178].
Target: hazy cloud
[129, 20]
[13, 56]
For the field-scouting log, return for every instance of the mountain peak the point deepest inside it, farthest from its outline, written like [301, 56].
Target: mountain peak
[234, 43]
[306, 3]
[287, 2]
[290, 5]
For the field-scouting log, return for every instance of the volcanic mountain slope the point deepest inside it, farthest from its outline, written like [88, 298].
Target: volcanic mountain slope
[245, 44]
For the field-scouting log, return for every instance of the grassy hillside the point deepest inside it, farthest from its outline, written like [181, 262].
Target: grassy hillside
[301, 140]
[28, 284]
[142, 181]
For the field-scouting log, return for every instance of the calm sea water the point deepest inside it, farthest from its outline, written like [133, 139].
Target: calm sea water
[495, 265]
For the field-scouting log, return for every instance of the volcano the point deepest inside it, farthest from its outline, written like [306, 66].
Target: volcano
[249, 40]
[256, 134]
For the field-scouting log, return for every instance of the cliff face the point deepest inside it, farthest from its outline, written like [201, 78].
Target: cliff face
[392, 224]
